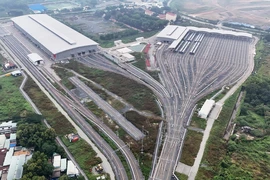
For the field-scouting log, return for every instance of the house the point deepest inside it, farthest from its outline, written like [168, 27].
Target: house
[148, 12]
[171, 16]
[162, 16]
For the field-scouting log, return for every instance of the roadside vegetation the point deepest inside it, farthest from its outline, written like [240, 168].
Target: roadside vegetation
[12, 103]
[191, 147]
[246, 154]
[181, 176]
[62, 127]
[134, 93]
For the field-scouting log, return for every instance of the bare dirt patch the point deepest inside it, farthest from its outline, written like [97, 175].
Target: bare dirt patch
[254, 12]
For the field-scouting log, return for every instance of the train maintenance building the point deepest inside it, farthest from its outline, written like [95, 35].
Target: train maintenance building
[57, 40]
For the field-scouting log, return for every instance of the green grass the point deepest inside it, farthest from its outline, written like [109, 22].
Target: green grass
[191, 147]
[215, 149]
[134, 93]
[86, 157]
[198, 122]
[12, 102]
[56, 119]
[181, 176]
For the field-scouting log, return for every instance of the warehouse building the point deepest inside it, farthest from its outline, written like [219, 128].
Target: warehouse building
[57, 40]
[174, 34]
[206, 108]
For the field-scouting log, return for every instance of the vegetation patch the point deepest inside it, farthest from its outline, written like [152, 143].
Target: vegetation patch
[12, 102]
[215, 149]
[150, 127]
[134, 93]
[55, 118]
[198, 122]
[85, 156]
[191, 147]
[181, 176]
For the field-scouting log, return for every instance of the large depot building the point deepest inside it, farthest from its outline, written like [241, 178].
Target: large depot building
[56, 39]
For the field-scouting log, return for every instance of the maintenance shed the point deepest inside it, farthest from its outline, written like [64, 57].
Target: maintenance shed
[206, 108]
[16, 73]
[35, 58]
[56, 39]
[71, 169]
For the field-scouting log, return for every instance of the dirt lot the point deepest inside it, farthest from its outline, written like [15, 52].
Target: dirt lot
[90, 24]
[255, 12]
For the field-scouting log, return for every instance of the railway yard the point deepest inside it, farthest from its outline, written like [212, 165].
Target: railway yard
[200, 63]
[219, 60]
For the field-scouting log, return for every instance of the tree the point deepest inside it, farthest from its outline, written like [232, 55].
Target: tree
[48, 149]
[37, 167]
[34, 135]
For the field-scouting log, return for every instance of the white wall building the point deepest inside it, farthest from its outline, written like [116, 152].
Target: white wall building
[35, 58]
[206, 108]
[56, 39]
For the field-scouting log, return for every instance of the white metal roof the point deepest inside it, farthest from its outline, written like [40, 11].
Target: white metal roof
[8, 157]
[124, 50]
[7, 144]
[34, 57]
[57, 161]
[127, 55]
[220, 31]
[71, 169]
[177, 33]
[63, 164]
[16, 72]
[172, 32]
[9, 123]
[52, 34]
[2, 141]
[206, 108]
[16, 167]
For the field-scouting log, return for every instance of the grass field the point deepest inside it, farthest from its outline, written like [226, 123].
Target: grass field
[12, 102]
[191, 147]
[89, 158]
[181, 176]
[136, 94]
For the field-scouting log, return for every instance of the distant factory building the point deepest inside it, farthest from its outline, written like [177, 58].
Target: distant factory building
[35, 58]
[56, 39]
[206, 108]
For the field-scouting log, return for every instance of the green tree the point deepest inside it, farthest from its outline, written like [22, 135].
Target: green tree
[37, 167]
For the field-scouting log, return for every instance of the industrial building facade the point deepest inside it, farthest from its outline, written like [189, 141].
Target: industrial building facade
[174, 34]
[56, 39]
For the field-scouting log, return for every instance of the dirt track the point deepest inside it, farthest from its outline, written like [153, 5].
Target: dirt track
[256, 12]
